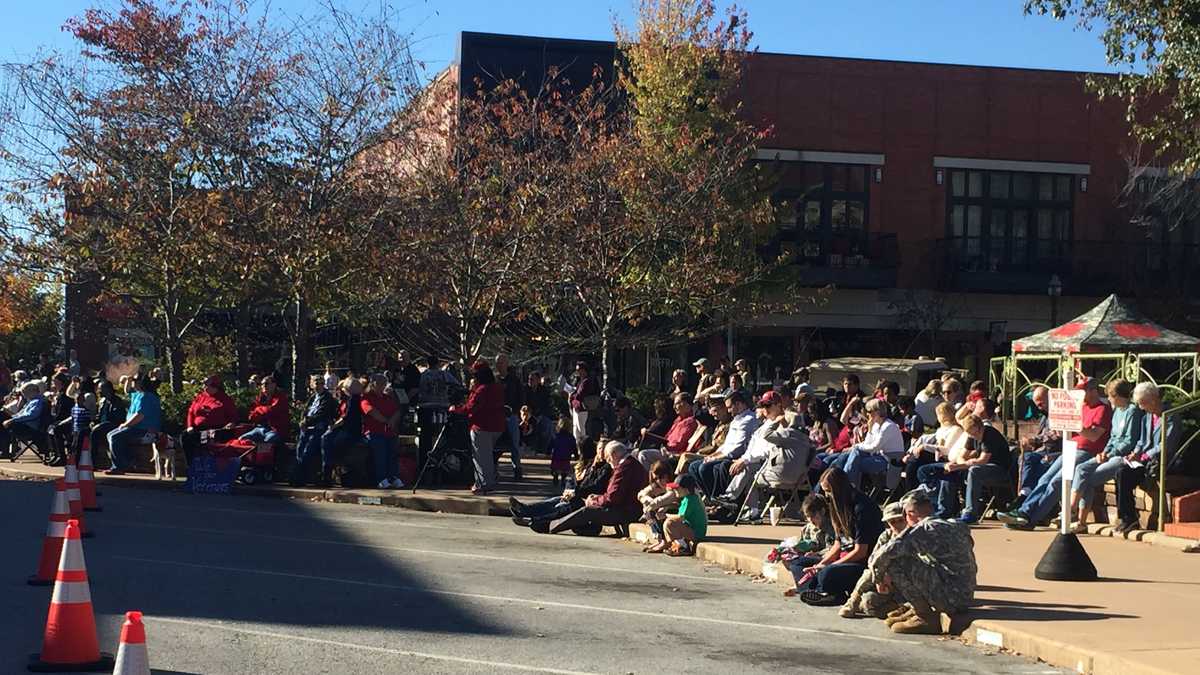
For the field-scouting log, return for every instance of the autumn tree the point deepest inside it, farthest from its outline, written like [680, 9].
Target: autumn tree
[1152, 43]
[668, 206]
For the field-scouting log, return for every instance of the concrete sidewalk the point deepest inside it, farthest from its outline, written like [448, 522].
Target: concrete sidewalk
[1139, 618]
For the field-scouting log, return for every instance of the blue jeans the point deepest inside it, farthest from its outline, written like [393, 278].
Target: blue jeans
[930, 474]
[332, 440]
[1092, 474]
[836, 579]
[118, 440]
[979, 477]
[857, 462]
[514, 434]
[262, 435]
[309, 444]
[383, 453]
[713, 477]
[1046, 496]
[1033, 467]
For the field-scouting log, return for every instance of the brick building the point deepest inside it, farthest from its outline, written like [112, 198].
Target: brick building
[932, 198]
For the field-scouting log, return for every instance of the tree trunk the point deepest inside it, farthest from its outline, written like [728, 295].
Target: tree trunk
[605, 340]
[175, 364]
[300, 350]
[241, 347]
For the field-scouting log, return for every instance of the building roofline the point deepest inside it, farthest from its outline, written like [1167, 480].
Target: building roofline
[612, 44]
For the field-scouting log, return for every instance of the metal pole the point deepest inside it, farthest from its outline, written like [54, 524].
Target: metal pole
[1162, 473]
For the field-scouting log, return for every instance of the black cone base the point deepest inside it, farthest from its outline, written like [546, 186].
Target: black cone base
[35, 580]
[1065, 560]
[104, 665]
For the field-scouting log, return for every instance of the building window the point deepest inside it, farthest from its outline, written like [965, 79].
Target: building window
[824, 213]
[1003, 221]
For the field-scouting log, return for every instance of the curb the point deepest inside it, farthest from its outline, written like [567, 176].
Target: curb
[471, 506]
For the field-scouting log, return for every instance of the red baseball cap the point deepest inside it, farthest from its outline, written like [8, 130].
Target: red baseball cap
[769, 399]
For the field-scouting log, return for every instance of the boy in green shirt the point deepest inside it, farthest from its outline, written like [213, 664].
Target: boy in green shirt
[685, 529]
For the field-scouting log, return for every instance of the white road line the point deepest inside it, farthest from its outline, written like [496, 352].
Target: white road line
[419, 551]
[658, 616]
[515, 531]
[365, 648]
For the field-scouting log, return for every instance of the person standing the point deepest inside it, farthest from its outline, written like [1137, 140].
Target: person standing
[485, 414]
[407, 384]
[514, 400]
[584, 400]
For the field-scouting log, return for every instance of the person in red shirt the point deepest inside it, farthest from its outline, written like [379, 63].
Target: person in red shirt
[485, 413]
[618, 505]
[678, 437]
[269, 414]
[211, 409]
[380, 423]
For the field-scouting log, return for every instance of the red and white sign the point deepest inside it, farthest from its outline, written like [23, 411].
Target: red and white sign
[1066, 410]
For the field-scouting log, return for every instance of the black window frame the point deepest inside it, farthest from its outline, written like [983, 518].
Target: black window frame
[816, 247]
[1007, 257]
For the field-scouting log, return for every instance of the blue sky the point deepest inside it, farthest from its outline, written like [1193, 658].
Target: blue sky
[979, 32]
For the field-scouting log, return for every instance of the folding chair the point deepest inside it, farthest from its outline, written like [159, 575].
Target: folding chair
[789, 492]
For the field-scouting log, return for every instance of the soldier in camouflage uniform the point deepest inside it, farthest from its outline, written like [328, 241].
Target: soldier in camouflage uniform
[866, 598]
[932, 564]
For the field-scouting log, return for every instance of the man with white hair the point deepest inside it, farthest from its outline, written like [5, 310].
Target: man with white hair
[618, 505]
[27, 424]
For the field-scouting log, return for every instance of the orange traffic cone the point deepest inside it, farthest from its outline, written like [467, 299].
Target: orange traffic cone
[74, 500]
[53, 542]
[69, 643]
[87, 477]
[132, 657]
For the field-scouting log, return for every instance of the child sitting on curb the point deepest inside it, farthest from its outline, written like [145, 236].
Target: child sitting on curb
[656, 500]
[685, 529]
[816, 537]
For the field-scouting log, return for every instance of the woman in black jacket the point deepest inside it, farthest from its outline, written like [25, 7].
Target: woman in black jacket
[594, 481]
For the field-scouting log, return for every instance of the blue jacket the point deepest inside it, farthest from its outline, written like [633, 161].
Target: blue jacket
[1150, 444]
[1127, 426]
[31, 413]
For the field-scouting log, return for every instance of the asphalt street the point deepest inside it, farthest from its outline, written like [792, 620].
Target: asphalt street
[254, 585]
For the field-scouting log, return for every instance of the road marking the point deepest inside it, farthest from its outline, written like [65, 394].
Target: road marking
[366, 648]
[658, 616]
[405, 549]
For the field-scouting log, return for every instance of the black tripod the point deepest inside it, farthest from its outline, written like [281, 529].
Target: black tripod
[440, 458]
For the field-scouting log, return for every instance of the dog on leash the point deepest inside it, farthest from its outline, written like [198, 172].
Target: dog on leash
[164, 457]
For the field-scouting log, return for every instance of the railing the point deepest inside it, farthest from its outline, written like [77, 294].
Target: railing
[1085, 267]
[1165, 462]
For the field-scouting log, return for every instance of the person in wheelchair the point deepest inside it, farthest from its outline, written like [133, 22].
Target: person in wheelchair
[28, 425]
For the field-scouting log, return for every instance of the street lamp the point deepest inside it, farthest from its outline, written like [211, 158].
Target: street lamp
[1054, 290]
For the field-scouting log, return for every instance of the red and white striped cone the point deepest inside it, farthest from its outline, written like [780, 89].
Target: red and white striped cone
[69, 643]
[87, 477]
[132, 657]
[75, 500]
[55, 532]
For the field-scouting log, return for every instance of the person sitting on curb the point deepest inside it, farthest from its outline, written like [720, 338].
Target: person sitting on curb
[618, 505]
[593, 480]
[826, 580]
[656, 499]
[687, 528]
[866, 599]
[932, 565]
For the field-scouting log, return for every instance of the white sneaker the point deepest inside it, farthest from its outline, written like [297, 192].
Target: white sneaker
[397, 483]
[385, 484]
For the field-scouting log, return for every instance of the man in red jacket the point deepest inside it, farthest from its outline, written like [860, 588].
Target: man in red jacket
[211, 409]
[618, 505]
[269, 414]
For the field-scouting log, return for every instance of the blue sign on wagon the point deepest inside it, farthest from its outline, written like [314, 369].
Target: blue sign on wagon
[212, 475]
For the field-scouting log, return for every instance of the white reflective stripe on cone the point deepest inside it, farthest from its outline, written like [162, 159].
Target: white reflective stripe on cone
[70, 474]
[56, 529]
[61, 506]
[73, 494]
[86, 474]
[71, 593]
[72, 557]
[132, 659]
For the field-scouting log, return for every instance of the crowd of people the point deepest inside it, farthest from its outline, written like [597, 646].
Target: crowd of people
[710, 450]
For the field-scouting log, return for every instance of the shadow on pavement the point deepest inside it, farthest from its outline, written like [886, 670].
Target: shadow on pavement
[193, 580]
[1003, 610]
